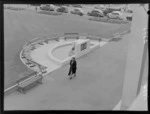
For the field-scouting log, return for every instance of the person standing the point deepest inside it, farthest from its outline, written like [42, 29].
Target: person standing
[73, 68]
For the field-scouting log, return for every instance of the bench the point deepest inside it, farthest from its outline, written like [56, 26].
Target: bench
[23, 57]
[32, 64]
[71, 36]
[94, 38]
[46, 40]
[42, 69]
[28, 62]
[55, 38]
[41, 43]
[27, 82]
[33, 48]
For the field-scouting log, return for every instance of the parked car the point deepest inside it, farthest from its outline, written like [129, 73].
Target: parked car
[58, 4]
[52, 7]
[115, 15]
[66, 4]
[96, 13]
[62, 9]
[47, 7]
[77, 11]
[77, 5]
[105, 11]
[111, 9]
[129, 11]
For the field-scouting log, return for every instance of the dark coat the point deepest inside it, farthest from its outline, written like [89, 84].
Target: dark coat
[73, 67]
[73, 64]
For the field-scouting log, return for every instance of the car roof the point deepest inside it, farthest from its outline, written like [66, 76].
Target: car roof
[78, 9]
[51, 5]
[63, 7]
[116, 12]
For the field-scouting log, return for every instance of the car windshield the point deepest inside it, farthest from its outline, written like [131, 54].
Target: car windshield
[77, 10]
[96, 11]
[115, 13]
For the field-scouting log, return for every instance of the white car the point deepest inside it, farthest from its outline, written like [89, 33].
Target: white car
[96, 13]
[115, 15]
[77, 11]
[48, 7]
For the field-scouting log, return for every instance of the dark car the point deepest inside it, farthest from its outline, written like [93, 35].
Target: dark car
[62, 9]
[77, 11]
[77, 5]
[106, 11]
[96, 13]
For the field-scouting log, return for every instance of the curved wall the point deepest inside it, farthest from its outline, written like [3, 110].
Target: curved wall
[56, 60]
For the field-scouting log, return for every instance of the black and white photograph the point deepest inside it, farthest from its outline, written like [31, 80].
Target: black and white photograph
[76, 57]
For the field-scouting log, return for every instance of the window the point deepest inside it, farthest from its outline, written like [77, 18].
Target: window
[83, 46]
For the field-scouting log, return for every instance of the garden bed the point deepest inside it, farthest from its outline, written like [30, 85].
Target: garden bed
[108, 20]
